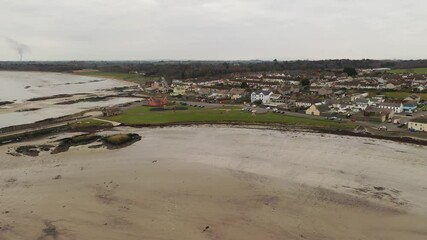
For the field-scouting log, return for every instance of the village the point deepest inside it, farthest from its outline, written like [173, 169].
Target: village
[373, 97]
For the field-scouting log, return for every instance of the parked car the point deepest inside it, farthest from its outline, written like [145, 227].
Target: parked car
[382, 128]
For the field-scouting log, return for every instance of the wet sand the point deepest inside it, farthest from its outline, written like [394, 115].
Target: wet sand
[218, 183]
[53, 89]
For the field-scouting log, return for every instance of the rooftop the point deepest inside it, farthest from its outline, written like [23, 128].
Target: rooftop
[419, 120]
[263, 92]
[390, 104]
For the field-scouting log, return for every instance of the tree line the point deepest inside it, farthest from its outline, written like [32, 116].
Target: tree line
[208, 69]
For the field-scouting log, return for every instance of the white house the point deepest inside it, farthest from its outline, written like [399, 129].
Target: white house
[306, 102]
[362, 103]
[418, 124]
[359, 95]
[396, 107]
[263, 96]
[276, 98]
[390, 86]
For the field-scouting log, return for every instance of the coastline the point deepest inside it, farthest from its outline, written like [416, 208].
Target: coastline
[278, 127]
[283, 127]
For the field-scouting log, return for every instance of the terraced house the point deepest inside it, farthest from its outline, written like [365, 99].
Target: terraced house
[396, 107]
[418, 124]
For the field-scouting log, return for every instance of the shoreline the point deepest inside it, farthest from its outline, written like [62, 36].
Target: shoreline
[282, 127]
[278, 127]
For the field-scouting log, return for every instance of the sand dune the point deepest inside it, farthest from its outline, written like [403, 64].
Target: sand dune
[218, 183]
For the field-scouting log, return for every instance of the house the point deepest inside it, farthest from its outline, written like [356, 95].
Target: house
[368, 86]
[373, 114]
[418, 88]
[324, 91]
[203, 91]
[178, 91]
[396, 107]
[362, 103]
[409, 106]
[219, 94]
[276, 98]
[341, 93]
[418, 124]
[413, 98]
[157, 86]
[390, 86]
[317, 110]
[347, 85]
[305, 103]
[334, 103]
[236, 96]
[263, 96]
[237, 93]
[288, 89]
[359, 95]
[378, 99]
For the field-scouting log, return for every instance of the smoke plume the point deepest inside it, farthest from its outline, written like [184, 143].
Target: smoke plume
[20, 48]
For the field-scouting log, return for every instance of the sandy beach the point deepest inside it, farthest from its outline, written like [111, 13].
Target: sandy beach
[218, 183]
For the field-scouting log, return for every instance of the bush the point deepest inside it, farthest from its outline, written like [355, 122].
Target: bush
[118, 139]
[84, 138]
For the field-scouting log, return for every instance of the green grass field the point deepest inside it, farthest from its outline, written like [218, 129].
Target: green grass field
[403, 95]
[121, 76]
[409, 70]
[90, 123]
[143, 115]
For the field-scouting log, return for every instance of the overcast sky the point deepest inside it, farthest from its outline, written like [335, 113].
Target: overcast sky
[212, 29]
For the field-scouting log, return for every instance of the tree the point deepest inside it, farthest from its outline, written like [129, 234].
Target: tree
[244, 85]
[305, 82]
[226, 65]
[350, 71]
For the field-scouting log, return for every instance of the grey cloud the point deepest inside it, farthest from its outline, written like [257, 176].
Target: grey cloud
[221, 29]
